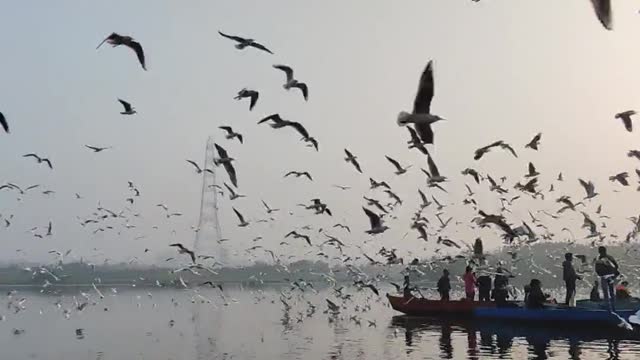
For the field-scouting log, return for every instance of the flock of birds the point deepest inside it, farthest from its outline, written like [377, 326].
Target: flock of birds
[419, 124]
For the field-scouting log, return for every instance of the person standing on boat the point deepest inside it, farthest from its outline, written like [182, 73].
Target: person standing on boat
[484, 288]
[595, 293]
[407, 288]
[570, 277]
[444, 285]
[607, 270]
[470, 281]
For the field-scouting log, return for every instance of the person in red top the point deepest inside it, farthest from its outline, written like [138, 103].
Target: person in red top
[470, 282]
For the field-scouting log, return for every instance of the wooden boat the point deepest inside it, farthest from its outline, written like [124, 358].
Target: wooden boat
[554, 314]
[425, 307]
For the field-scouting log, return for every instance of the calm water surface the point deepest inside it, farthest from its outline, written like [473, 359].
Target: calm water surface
[187, 324]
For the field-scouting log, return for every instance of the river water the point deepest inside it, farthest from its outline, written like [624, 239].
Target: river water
[253, 323]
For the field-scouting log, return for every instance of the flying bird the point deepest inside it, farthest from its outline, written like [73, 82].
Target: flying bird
[198, 169]
[245, 93]
[97, 149]
[376, 184]
[231, 134]
[232, 194]
[473, 173]
[625, 116]
[4, 123]
[532, 171]
[535, 142]
[421, 115]
[116, 40]
[603, 11]
[243, 43]
[296, 235]
[277, 122]
[128, 109]
[225, 160]
[375, 222]
[299, 174]
[242, 223]
[352, 159]
[589, 188]
[399, 169]
[39, 159]
[291, 82]
[269, 209]
[184, 250]
[415, 142]
[621, 178]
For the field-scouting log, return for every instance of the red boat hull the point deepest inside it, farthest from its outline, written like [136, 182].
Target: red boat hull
[424, 307]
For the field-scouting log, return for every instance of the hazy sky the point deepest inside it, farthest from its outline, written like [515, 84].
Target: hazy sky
[503, 70]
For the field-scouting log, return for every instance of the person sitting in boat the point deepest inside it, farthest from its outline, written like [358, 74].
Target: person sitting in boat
[622, 291]
[500, 295]
[595, 293]
[484, 288]
[470, 282]
[444, 285]
[536, 298]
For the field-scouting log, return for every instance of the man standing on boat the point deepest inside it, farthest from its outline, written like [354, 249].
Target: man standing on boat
[570, 277]
[444, 285]
[607, 270]
[470, 282]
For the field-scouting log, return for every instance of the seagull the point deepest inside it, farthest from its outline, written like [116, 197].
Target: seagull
[425, 202]
[399, 169]
[625, 116]
[352, 159]
[603, 11]
[589, 188]
[115, 40]
[532, 171]
[232, 194]
[225, 160]
[376, 203]
[415, 142]
[198, 169]
[299, 174]
[243, 223]
[4, 123]
[296, 235]
[128, 109]
[394, 196]
[485, 149]
[269, 210]
[375, 184]
[375, 221]
[421, 116]
[291, 82]
[342, 227]
[230, 133]
[434, 173]
[533, 144]
[473, 173]
[39, 159]
[184, 250]
[245, 93]
[97, 149]
[243, 43]
[621, 178]
[278, 122]
[49, 229]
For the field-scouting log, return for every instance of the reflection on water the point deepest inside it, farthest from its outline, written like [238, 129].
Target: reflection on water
[256, 324]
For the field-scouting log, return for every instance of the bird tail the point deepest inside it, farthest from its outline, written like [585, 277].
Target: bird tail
[403, 118]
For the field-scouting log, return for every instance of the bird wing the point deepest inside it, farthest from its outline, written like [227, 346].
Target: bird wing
[532, 169]
[3, 122]
[261, 47]
[194, 164]
[356, 165]
[32, 155]
[240, 217]
[228, 129]
[603, 11]
[422, 102]
[221, 151]
[113, 36]
[394, 162]
[178, 245]
[254, 99]
[135, 46]
[287, 70]
[373, 218]
[433, 169]
[299, 128]
[305, 90]
[232, 173]
[306, 173]
[229, 188]
[126, 105]
[48, 163]
[425, 132]
[349, 154]
[423, 197]
[235, 38]
[92, 147]
[274, 117]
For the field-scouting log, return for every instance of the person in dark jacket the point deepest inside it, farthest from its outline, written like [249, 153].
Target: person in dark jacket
[595, 292]
[444, 285]
[536, 298]
[570, 277]
[484, 288]
[607, 270]
[406, 292]
[500, 296]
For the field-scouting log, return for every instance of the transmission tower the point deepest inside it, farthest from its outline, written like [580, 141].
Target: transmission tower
[209, 227]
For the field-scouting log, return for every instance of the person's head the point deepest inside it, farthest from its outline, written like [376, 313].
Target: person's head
[445, 272]
[568, 256]
[535, 283]
[602, 250]
[406, 278]
[467, 269]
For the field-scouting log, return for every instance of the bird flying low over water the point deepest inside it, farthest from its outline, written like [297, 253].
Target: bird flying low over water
[375, 221]
[625, 116]
[116, 39]
[243, 43]
[184, 250]
[603, 12]
[4, 123]
[231, 134]
[39, 159]
[128, 109]
[292, 82]
[246, 93]
[421, 115]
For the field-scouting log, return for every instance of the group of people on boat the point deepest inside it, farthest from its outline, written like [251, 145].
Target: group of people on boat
[606, 269]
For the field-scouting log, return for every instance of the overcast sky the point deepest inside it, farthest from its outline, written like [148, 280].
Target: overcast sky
[503, 70]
